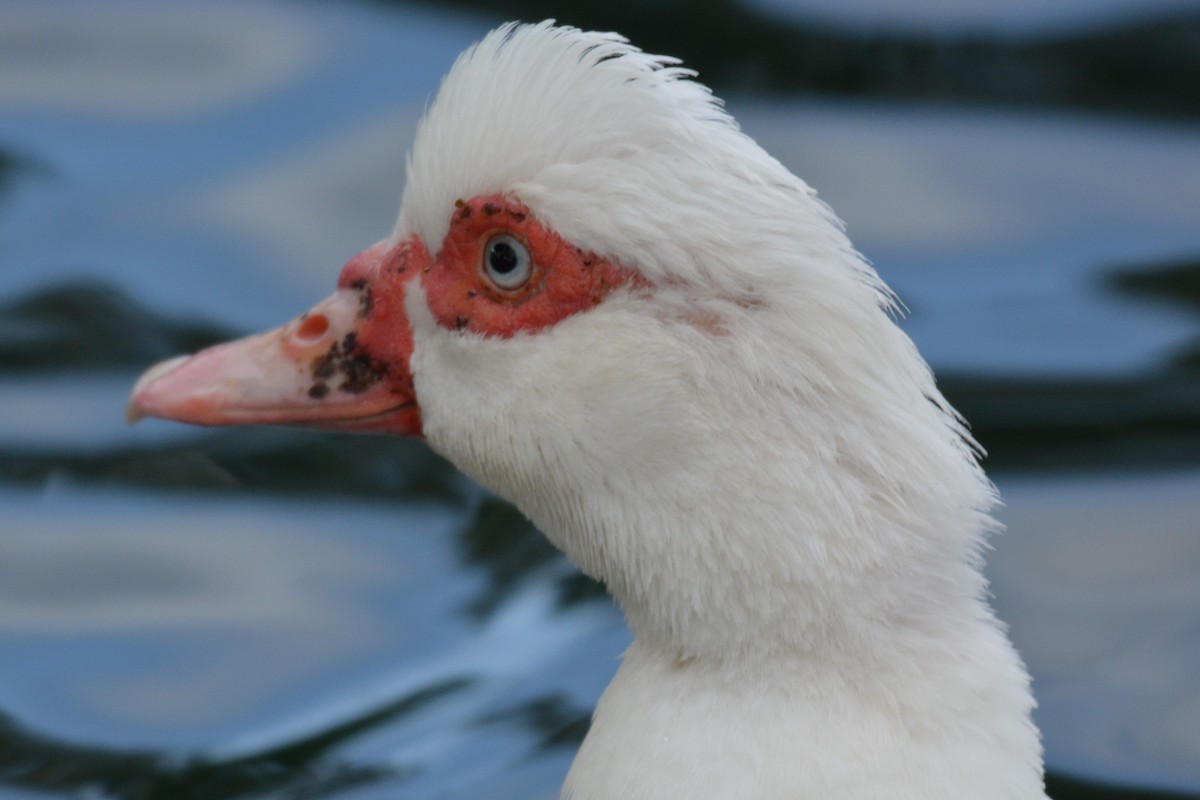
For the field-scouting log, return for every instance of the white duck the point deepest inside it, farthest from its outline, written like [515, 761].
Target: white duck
[607, 304]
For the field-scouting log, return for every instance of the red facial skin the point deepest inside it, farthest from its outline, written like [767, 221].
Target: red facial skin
[345, 364]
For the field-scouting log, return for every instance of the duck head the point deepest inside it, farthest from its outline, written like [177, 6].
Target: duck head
[607, 304]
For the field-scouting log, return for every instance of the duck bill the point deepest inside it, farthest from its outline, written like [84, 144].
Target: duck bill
[312, 372]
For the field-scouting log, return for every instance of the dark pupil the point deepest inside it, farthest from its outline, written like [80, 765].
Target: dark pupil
[502, 258]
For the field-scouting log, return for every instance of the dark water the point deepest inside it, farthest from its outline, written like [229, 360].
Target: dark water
[265, 613]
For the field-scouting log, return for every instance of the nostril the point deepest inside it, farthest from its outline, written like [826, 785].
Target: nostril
[312, 327]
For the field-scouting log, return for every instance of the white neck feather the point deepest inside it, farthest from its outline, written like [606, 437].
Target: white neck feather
[747, 451]
[811, 528]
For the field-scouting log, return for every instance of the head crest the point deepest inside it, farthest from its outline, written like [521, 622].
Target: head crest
[620, 152]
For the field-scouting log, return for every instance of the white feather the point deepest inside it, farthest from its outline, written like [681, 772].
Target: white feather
[750, 453]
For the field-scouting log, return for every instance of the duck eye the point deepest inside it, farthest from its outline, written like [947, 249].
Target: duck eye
[506, 262]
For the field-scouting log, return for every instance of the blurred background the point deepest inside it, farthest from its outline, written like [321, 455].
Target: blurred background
[272, 613]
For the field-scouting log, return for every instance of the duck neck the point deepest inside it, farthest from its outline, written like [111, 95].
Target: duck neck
[750, 544]
[775, 591]
[804, 649]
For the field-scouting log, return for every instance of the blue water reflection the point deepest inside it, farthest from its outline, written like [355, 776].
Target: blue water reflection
[1097, 579]
[222, 160]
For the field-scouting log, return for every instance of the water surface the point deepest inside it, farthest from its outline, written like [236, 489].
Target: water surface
[278, 613]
